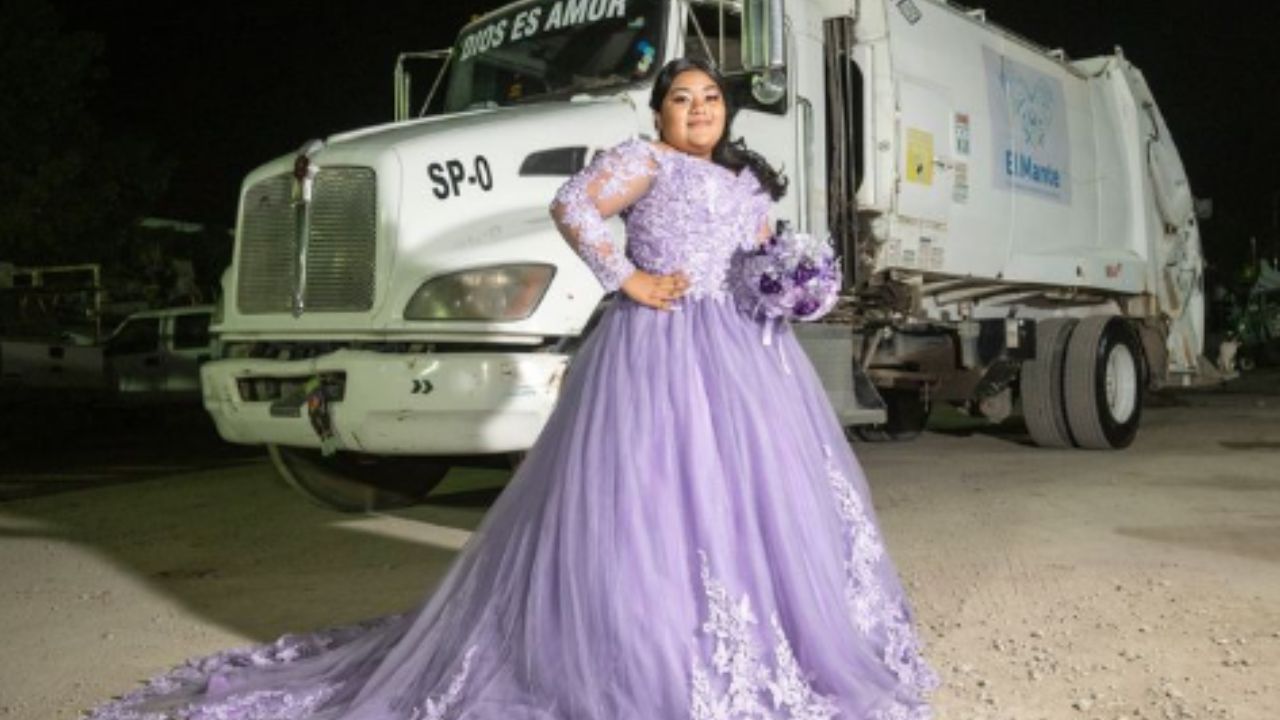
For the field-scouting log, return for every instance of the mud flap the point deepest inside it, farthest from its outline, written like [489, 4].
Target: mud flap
[830, 351]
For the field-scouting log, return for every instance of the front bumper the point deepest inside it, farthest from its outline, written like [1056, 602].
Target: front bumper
[393, 404]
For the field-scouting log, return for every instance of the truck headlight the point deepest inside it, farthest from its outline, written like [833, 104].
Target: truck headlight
[502, 293]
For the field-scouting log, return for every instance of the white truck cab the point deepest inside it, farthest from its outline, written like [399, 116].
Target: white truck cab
[1016, 228]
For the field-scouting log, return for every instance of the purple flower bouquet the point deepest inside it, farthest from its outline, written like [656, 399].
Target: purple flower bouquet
[792, 276]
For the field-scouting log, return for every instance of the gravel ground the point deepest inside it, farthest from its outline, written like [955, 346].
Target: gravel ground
[1140, 584]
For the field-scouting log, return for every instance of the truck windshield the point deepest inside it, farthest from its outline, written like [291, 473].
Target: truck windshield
[553, 49]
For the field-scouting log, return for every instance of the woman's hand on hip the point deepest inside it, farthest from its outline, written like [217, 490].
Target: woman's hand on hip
[655, 291]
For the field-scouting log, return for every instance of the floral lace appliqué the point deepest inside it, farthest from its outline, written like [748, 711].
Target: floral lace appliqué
[438, 708]
[682, 214]
[870, 607]
[624, 170]
[212, 673]
[275, 704]
[694, 220]
[740, 685]
[862, 591]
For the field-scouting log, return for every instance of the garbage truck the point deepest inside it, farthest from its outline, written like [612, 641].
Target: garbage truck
[1016, 229]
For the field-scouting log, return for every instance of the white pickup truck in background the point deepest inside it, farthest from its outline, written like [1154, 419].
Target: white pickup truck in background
[154, 355]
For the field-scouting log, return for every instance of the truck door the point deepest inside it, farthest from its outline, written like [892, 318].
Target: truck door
[190, 348]
[926, 174]
[134, 359]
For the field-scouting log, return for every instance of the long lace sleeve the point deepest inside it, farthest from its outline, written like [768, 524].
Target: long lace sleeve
[756, 209]
[610, 184]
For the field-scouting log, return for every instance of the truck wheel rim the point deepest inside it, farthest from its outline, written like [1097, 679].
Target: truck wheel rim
[1122, 384]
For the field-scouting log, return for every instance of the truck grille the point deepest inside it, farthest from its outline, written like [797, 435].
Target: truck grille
[268, 271]
[340, 250]
[340, 258]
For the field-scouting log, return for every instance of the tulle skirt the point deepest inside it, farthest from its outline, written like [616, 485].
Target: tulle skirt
[690, 537]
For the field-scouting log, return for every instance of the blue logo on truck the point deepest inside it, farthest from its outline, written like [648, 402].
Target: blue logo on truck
[1029, 128]
[1032, 104]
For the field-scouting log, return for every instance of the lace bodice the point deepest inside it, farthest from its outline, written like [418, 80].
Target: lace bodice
[682, 213]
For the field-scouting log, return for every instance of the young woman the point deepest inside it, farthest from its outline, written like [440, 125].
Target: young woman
[690, 538]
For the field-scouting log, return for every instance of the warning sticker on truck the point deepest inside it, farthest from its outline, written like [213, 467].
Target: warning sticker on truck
[962, 134]
[960, 187]
[1031, 145]
[919, 156]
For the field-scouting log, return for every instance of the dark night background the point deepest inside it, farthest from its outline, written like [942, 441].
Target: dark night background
[188, 97]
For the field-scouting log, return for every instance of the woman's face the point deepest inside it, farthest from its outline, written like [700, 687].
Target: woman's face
[692, 116]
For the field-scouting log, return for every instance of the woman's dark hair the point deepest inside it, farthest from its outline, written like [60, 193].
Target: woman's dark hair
[733, 154]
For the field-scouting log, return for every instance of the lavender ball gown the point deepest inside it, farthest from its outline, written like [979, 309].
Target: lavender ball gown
[691, 537]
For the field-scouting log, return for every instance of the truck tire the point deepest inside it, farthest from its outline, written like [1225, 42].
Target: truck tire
[1040, 383]
[906, 414]
[1103, 379]
[351, 482]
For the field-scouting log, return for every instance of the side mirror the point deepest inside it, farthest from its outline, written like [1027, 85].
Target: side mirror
[763, 48]
[404, 81]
